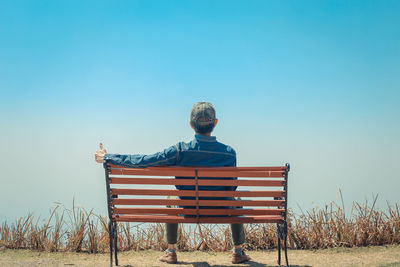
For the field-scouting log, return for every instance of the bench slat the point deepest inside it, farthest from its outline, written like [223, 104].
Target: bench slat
[181, 219]
[173, 181]
[177, 211]
[210, 173]
[181, 202]
[266, 169]
[147, 171]
[190, 172]
[192, 193]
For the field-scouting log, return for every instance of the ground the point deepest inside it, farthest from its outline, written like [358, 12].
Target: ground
[370, 256]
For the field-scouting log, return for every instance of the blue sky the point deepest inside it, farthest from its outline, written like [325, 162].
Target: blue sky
[313, 83]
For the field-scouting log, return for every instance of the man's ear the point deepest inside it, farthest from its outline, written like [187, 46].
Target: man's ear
[191, 125]
[215, 122]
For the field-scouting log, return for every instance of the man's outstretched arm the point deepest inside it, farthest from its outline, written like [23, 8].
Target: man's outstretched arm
[164, 158]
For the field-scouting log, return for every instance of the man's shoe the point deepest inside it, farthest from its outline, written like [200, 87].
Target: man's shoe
[239, 258]
[169, 257]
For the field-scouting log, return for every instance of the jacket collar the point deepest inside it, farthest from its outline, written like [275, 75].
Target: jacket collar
[205, 138]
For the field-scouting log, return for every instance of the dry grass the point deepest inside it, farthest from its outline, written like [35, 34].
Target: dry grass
[365, 256]
[77, 230]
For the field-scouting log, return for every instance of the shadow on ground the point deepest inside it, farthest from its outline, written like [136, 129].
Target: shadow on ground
[248, 264]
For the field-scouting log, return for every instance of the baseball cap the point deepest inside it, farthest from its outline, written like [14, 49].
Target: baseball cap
[203, 113]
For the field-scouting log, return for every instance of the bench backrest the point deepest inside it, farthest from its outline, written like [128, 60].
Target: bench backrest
[128, 191]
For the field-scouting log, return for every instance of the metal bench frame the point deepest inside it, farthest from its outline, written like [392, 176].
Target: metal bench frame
[199, 172]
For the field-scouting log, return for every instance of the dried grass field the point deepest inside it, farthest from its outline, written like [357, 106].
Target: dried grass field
[325, 236]
[77, 230]
[365, 256]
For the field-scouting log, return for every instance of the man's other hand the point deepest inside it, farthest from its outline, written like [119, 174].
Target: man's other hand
[99, 155]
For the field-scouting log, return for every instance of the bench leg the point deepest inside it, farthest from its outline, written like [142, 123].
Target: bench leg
[279, 251]
[110, 232]
[279, 243]
[285, 242]
[285, 246]
[115, 243]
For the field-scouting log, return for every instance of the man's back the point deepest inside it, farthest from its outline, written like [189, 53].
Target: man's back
[205, 151]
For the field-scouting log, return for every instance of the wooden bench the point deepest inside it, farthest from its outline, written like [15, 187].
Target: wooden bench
[122, 207]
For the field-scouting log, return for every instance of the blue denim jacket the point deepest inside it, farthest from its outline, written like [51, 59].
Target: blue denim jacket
[202, 151]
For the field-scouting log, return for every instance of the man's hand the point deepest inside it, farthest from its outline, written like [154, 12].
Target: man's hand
[99, 155]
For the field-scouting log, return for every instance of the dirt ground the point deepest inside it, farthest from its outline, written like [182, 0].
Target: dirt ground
[371, 256]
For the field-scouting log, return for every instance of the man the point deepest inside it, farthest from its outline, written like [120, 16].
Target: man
[203, 151]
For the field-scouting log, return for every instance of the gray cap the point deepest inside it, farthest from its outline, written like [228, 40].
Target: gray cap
[203, 113]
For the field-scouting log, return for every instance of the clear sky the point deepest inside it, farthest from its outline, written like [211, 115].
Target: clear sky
[312, 83]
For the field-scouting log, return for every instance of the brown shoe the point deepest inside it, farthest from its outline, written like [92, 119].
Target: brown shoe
[240, 258]
[169, 257]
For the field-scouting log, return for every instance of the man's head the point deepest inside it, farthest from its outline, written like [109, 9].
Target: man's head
[202, 117]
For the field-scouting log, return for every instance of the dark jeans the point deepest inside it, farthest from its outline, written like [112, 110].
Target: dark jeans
[171, 233]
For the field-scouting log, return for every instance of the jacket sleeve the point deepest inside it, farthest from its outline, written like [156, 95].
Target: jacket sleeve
[166, 157]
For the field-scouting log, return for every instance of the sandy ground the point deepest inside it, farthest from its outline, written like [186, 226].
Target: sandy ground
[372, 256]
